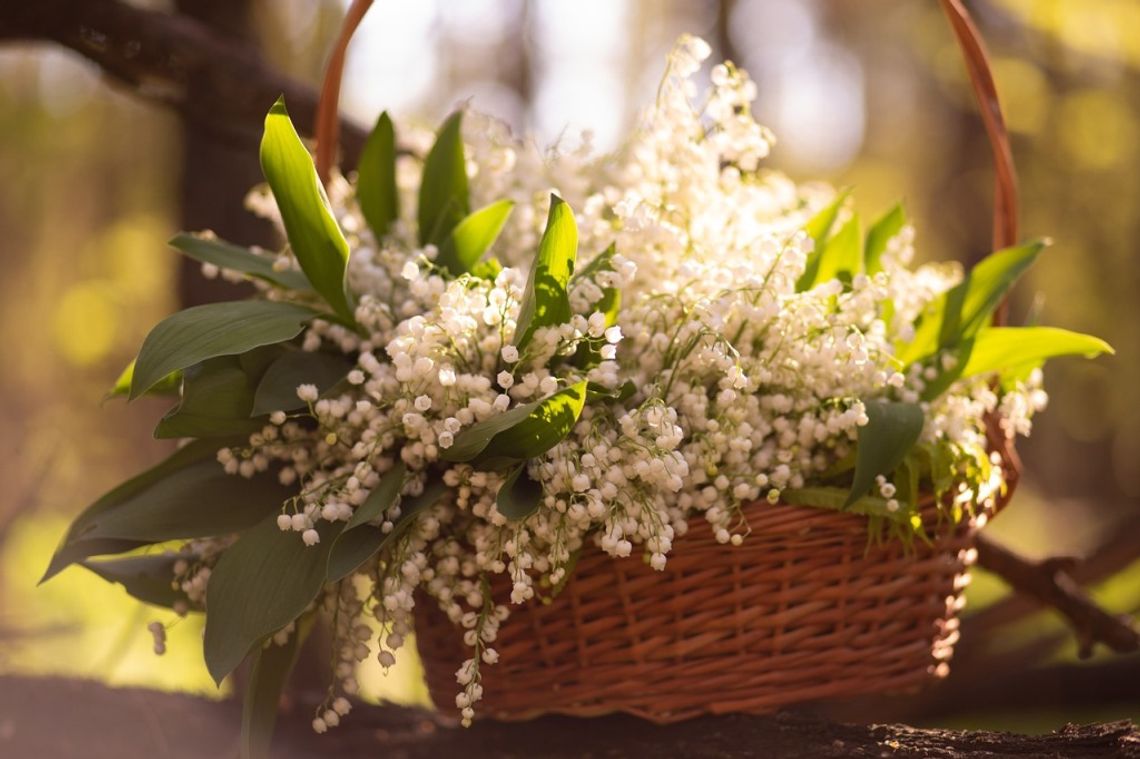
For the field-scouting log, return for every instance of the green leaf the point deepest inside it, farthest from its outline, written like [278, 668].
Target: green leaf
[277, 390]
[473, 237]
[1014, 351]
[837, 499]
[519, 496]
[314, 236]
[819, 229]
[882, 232]
[842, 254]
[150, 579]
[443, 199]
[545, 300]
[381, 498]
[171, 384]
[892, 430]
[217, 396]
[999, 348]
[211, 250]
[524, 432]
[360, 542]
[272, 665]
[376, 189]
[960, 312]
[216, 329]
[188, 495]
[261, 583]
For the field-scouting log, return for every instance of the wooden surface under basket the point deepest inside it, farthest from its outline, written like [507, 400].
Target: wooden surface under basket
[804, 609]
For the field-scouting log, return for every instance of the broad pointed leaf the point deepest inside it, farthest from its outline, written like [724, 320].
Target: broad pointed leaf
[314, 236]
[819, 229]
[960, 312]
[376, 189]
[216, 329]
[443, 199]
[360, 542]
[277, 390]
[892, 430]
[473, 237]
[211, 250]
[545, 300]
[168, 385]
[523, 432]
[217, 396]
[272, 665]
[1014, 351]
[838, 499]
[882, 232]
[188, 495]
[519, 496]
[842, 253]
[148, 578]
[261, 583]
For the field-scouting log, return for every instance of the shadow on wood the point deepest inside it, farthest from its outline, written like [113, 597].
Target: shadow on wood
[52, 718]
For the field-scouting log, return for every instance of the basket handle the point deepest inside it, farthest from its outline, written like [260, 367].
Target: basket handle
[1005, 232]
[969, 39]
[327, 130]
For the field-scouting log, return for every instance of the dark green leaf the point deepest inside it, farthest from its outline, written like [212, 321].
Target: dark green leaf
[545, 300]
[217, 396]
[882, 232]
[960, 312]
[837, 499]
[519, 496]
[892, 430]
[186, 496]
[211, 250]
[261, 583]
[168, 385]
[360, 542]
[216, 329]
[314, 236]
[381, 498]
[819, 229]
[272, 665]
[443, 200]
[148, 578]
[277, 390]
[841, 254]
[472, 237]
[376, 189]
[524, 432]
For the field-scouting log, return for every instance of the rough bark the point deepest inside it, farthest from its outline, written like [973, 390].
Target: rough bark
[219, 85]
[66, 718]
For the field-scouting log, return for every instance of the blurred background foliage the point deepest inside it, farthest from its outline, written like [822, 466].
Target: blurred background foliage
[867, 93]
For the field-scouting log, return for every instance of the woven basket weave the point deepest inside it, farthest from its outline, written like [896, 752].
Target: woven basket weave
[805, 609]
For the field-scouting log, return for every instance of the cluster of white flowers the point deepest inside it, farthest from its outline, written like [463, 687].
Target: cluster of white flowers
[742, 387]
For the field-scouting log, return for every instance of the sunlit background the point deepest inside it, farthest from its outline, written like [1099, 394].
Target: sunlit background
[867, 93]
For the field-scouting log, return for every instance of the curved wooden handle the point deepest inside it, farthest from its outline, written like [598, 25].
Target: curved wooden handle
[981, 78]
[327, 130]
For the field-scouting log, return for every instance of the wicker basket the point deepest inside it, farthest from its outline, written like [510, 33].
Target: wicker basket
[805, 609]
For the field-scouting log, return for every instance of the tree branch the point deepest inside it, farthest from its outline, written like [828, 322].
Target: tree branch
[50, 717]
[217, 84]
[1050, 582]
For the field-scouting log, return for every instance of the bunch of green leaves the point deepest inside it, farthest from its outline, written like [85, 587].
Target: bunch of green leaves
[954, 335]
[230, 365]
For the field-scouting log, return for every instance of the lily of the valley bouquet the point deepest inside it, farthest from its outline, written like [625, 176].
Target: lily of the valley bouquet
[472, 361]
